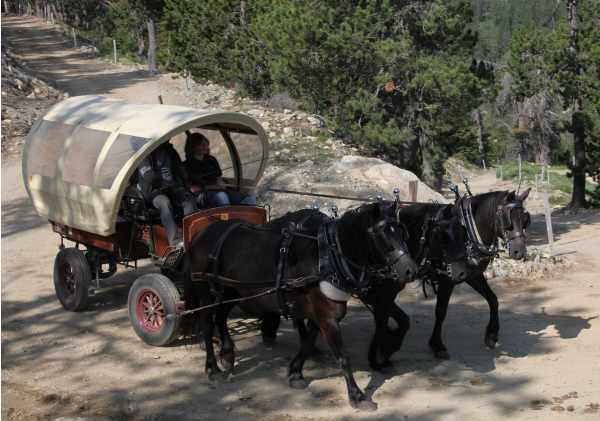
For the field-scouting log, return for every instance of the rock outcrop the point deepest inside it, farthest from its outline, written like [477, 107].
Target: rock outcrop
[349, 175]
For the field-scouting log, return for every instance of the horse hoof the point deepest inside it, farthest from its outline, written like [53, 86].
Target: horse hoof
[490, 342]
[297, 382]
[364, 405]
[226, 361]
[442, 354]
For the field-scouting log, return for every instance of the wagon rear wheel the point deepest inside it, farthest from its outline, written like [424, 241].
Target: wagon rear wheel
[72, 277]
[152, 298]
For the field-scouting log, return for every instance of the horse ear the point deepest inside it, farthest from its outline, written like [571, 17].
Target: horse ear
[524, 195]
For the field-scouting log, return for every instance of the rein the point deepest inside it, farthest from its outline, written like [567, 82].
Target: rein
[425, 265]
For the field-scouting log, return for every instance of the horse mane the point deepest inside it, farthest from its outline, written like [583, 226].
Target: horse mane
[484, 208]
[352, 230]
[413, 217]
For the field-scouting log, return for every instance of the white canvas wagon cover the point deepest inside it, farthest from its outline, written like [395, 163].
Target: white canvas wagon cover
[78, 158]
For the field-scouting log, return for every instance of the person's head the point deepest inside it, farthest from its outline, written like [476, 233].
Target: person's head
[196, 145]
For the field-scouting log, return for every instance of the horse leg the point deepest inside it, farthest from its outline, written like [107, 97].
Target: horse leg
[211, 367]
[480, 284]
[330, 329]
[386, 341]
[269, 326]
[308, 336]
[445, 289]
[226, 355]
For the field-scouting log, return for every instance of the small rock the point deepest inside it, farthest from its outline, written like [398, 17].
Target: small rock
[558, 408]
[315, 121]
[570, 408]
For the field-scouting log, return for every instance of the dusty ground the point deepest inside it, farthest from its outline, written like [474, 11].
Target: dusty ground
[91, 364]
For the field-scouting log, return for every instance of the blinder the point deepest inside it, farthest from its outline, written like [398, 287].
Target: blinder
[389, 250]
[505, 214]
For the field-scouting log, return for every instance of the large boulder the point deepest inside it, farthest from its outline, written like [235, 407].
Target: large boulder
[352, 176]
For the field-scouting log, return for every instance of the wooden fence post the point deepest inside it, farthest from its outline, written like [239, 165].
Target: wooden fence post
[547, 213]
[413, 187]
[114, 51]
[74, 37]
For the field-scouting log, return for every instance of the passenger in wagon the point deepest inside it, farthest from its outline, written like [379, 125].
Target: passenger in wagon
[204, 174]
[161, 179]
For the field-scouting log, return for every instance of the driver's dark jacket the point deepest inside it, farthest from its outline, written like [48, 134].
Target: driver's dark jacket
[161, 172]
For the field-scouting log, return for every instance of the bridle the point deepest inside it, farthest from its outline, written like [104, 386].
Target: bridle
[336, 267]
[427, 264]
[477, 251]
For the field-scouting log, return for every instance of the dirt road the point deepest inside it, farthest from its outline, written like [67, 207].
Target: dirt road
[54, 363]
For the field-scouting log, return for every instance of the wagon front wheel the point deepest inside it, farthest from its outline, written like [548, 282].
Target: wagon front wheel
[152, 298]
[72, 278]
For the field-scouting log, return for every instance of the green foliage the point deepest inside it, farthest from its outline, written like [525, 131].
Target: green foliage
[559, 181]
[336, 58]
[497, 20]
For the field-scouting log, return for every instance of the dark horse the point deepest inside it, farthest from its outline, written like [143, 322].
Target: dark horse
[487, 218]
[437, 241]
[482, 219]
[316, 263]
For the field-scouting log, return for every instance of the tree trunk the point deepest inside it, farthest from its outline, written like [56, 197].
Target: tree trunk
[577, 123]
[242, 12]
[151, 47]
[430, 171]
[141, 44]
[542, 152]
[479, 121]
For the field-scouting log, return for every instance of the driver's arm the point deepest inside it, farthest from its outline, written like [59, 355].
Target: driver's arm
[145, 177]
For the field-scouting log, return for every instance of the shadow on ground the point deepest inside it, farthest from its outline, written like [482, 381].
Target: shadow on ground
[39, 335]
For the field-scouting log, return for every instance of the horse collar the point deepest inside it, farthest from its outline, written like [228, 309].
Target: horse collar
[333, 265]
[477, 250]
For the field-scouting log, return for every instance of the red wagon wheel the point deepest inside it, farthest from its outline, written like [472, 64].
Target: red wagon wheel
[152, 298]
[150, 310]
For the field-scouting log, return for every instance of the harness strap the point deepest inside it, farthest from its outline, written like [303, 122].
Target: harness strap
[214, 259]
[468, 221]
[283, 253]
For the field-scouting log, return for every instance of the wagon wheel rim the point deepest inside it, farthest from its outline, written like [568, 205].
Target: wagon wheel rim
[150, 311]
[68, 278]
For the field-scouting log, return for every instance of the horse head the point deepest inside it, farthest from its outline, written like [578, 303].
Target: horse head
[372, 235]
[512, 221]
